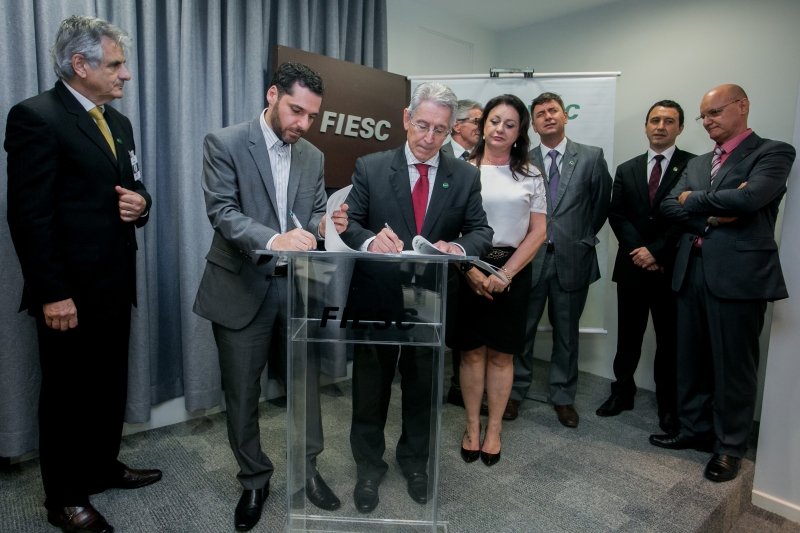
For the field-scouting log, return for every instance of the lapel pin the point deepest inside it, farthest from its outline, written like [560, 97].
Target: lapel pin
[445, 185]
[674, 169]
[572, 163]
[119, 140]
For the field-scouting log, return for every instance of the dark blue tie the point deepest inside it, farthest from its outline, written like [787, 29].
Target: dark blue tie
[554, 178]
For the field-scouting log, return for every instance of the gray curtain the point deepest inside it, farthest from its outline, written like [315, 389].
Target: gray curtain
[197, 66]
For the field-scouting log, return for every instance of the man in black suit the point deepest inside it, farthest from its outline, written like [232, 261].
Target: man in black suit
[413, 190]
[643, 267]
[74, 197]
[726, 270]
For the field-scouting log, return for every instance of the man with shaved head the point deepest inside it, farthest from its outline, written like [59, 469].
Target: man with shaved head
[726, 270]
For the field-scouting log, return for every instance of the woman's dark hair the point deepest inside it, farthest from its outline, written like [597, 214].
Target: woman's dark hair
[520, 158]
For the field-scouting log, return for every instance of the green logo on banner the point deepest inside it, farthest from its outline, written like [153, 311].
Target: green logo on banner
[569, 107]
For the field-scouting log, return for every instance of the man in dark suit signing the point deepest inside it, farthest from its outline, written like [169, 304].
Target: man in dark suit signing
[255, 174]
[578, 192]
[413, 190]
[726, 270]
[75, 194]
[643, 267]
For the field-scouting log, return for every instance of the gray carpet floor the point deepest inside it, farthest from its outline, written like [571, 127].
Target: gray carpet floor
[600, 477]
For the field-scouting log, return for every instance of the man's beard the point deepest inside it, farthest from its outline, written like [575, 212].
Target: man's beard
[280, 131]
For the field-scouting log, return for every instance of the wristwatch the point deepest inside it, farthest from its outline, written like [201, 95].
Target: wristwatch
[713, 221]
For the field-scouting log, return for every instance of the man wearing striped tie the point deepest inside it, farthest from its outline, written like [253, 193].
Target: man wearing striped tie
[726, 270]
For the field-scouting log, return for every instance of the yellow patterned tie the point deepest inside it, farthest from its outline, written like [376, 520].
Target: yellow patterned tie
[97, 115]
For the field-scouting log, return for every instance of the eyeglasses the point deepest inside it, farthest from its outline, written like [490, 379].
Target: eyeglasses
[717, 111]
[474, 121]
[424, 129]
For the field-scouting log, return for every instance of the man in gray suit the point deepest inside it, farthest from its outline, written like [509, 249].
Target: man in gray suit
[464, 135]
[578, 193]
[256, 174]
[726, 270]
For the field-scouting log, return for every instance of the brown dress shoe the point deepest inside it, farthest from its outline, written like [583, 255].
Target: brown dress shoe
[134, 479]
[567, 415]
[79, 520]
[512, 410]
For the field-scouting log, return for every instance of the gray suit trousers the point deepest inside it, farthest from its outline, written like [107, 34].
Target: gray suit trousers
[564, 309]
[243, 355]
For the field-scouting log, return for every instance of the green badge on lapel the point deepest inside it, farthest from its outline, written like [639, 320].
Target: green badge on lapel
[119, 140]
[674, 169]
[571, 163]
[445, 185]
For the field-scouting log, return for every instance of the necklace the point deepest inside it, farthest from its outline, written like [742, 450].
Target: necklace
[488, 159]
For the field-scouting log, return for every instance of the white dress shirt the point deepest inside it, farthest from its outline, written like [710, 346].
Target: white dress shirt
[458, 150]
[651, 162]
[280, 162]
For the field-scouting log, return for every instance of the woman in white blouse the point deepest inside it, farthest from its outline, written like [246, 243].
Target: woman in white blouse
[491, 320]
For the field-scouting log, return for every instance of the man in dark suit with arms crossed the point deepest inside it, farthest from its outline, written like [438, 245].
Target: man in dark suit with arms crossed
[578, 191]
[415, 191]
[74, 197]
[643, 267]
[726, 270]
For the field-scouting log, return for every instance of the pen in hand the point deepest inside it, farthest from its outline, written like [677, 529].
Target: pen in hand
[297, 223]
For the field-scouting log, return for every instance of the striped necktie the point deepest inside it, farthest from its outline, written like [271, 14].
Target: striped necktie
[716, 162]
[98, 117]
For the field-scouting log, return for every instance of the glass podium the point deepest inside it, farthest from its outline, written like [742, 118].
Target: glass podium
[386, 314]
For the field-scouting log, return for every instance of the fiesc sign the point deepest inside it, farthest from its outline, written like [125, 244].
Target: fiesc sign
[349, 125]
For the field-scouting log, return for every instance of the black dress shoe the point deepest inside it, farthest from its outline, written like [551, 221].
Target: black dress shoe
[512, 409]
[701, 443]
[418, 487]
[567, 415]
[490, 459]
[365, 495]
[723, 468]
[134, 479]
[470, 456]
[79, 520]
[669, 423]
[615, 405]
[248, 510]
[320, 494]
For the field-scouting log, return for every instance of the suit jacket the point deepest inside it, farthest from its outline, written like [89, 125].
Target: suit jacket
[740, 259]
[241, 204]
[576, 214]
[63, 210]
[381, 195]
[636, 222]
[447, 149]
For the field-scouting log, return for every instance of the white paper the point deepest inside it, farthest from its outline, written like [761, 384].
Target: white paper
[333, 242]
[423, 246]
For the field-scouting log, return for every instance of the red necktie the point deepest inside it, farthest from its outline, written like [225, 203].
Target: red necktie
[419, 196]
[655, 178]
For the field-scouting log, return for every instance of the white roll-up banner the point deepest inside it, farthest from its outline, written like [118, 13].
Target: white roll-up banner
[589, 100]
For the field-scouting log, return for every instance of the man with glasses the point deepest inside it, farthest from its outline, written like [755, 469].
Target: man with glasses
[726, 270]
[464, 134]
[578, 192]
[398, 194]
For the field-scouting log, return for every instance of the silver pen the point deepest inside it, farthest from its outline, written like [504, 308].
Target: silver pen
[297, 223]
[388, 227]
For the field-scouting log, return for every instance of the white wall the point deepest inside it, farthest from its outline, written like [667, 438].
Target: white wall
[777, 483]
[425, 40]
[676, 50]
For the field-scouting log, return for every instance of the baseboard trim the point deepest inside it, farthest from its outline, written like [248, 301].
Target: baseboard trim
[775, 505]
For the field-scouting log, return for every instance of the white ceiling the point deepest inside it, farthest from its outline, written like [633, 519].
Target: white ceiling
[497, 15]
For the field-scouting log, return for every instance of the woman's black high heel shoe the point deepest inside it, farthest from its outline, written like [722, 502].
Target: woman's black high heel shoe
[488, 459]
[470, 456]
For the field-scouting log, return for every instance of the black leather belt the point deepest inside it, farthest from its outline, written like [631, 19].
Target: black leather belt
[551, 247]
[281, 271]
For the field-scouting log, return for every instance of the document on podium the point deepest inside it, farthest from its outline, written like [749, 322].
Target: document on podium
[422, 246]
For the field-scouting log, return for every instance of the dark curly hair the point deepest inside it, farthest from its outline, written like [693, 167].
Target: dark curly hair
[520, 157]
[287, 74]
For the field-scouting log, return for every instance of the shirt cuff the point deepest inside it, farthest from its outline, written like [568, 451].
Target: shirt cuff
[319, 233]
[269, 243]
[365, 246]
[462, 248]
